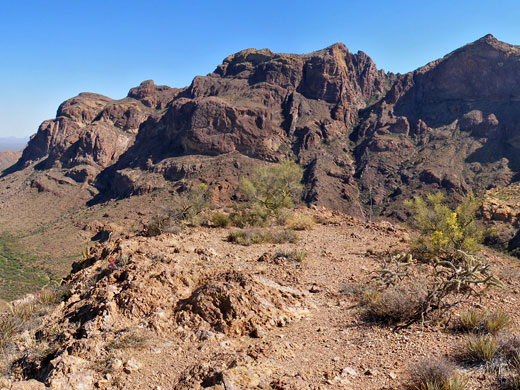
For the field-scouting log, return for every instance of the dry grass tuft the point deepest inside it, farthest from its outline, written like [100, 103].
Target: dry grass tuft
[496, 322]
[480, 349]
[24, 311]
[249, 237]
[482, 321]
[298, 255]
[134, 340]
[9, 326]
[300, 222]
[435, 374]
[471, 320]
[47, 297]
[393, 306]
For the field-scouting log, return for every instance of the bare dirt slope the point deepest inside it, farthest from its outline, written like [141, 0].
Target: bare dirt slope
[8, 158]
[192, 311]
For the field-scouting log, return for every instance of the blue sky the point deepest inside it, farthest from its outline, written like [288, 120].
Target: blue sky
[52, 50]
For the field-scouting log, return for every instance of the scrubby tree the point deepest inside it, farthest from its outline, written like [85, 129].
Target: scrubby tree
[189, 204]
[445, 231]
[449, 242]
[272, 188]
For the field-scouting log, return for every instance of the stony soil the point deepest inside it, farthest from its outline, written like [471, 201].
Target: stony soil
[191, 311]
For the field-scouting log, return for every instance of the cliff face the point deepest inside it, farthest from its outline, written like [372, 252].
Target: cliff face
[363, 136]
[91, 131]
[456, 121]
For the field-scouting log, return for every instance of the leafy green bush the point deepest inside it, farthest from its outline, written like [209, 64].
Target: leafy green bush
[220, 220]
[271, 189]
[445, 232]
[246, 214]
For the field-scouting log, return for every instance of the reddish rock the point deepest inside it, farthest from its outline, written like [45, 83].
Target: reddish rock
[352, 127]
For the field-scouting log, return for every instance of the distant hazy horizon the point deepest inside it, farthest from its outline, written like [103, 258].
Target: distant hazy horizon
[14, 144]
[51, 51]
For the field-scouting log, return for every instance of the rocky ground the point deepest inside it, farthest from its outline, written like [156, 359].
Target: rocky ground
[191, 311]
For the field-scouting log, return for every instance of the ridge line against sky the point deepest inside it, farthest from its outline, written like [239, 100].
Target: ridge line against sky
[55, 49]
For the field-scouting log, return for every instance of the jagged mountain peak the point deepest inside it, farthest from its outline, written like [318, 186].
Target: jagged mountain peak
[488, 45]
[267, 106]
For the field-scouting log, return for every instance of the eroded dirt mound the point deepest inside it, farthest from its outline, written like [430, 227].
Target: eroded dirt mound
[234, 303]
[133, 288]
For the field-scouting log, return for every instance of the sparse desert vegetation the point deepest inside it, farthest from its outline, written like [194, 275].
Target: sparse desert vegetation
[257, 236]
[435, 374]
[234, 234]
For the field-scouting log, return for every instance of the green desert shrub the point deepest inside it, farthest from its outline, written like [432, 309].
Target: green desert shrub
[444, 231]
[246, 214]
[448, 243]
[270, 190]
[220, 220]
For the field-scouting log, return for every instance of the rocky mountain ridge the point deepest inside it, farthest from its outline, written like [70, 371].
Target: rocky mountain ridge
[367, 139]
[256, 104]
[359, 132]
[222, 316]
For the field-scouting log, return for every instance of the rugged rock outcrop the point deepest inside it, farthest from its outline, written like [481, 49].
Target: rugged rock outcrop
[449, 125]
[264, 106]
[364, 137]
[92, 130]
